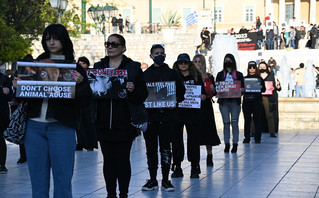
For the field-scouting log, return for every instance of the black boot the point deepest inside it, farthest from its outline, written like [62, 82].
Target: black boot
[177, 171]
[227, 147]
[195, 171]
[209, 160]
[234, 149]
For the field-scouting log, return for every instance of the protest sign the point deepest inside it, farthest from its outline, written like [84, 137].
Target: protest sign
[252, 85]
[228, 89]
[192, 97]
[45, 80]
[161, 94]
[108, 82]
[269, 88]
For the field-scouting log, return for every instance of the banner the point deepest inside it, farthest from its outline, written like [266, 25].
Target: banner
[191, 19]
[192, 97]
[161, 94]
[246, 41]
[228, 89]
[108, 82]
[252, 85]
[45, 80]
[269, 88]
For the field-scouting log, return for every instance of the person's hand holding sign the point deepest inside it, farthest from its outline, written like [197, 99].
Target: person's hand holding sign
[130, 86]
[77, 77]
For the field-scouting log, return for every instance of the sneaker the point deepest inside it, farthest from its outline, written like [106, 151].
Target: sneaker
[21, 161]
[150, 185]
[178, 172]
[3, 169]
[167, 186]
[195, 171]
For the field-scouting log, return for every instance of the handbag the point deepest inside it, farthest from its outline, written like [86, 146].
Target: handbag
[17, 125]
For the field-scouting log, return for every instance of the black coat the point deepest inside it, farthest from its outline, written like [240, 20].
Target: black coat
[4, 99]
[115, 113]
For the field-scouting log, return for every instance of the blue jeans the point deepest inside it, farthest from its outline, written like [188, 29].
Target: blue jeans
[50, 145]
[292, 43]
[230, 111]
[270, 44]
[300, 89]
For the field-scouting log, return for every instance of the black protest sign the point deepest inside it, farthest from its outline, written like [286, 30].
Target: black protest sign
[161, 94]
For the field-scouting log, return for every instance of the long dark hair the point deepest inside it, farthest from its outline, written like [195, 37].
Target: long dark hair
[232, 66]
[59, 32]
[193, 71]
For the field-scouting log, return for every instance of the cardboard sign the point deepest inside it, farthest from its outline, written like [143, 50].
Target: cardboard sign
[228, 89]
[45, 80]
[108, 83]
[161, 94]
[269, 88]
[192, 97]
[252, 85]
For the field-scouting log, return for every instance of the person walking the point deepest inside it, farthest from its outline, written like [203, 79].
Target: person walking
[230, 107]
[161, 121]
[113, 118]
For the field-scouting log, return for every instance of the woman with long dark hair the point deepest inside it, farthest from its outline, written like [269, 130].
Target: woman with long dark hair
[252, 102]
[208, 132]
[188, 117]
[230, 107]
[50, 133]
[113, 119]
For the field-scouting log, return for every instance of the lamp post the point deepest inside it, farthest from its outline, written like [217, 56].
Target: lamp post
[60, 5]
[214, 17]
[100, 14]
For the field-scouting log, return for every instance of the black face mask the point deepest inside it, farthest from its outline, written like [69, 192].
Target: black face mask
[229, 65]
[262, 70]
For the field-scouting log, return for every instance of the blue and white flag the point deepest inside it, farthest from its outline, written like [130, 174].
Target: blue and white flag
[191, 19]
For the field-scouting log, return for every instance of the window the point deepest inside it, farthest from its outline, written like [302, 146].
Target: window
[156, 15]
[289, 12]
[219, 14]
[186, 12]
[249, 13]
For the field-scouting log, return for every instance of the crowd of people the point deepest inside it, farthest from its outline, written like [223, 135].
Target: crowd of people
[120, 26]
[56, 128]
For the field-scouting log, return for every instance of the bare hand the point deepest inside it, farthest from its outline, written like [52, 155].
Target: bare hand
[77, 77]
[202, 97]
[130, 86]
[6, 90]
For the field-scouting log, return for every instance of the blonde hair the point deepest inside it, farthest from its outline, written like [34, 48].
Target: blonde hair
[202, 69]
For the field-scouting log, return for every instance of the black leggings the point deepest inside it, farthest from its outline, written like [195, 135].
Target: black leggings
[116, 165]
[3, 150]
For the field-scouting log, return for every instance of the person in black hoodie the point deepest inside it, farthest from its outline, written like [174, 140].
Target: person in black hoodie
[252, 104]
[230, 107]
[113, 119]
[190, 118]
[161, 120]
[50, 132]
[6, 95]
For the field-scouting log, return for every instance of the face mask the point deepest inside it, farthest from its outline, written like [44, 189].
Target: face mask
[159, 60]
[262, 70]
[228, 64]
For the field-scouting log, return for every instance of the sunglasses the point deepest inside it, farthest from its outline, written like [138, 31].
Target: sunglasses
[113, 44]
[183, 62]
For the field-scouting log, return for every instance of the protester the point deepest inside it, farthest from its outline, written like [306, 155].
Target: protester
[161, 121]
[6, 95]
[208, 131]
[230, 107]
[252, 104]
[270, 101]
[50, 133]
[113, 118]
[85, 133]
[188, 117]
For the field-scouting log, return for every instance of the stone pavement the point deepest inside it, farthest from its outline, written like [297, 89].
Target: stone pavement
[287, 166]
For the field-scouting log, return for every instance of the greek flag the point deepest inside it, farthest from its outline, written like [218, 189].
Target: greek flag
[192, 19]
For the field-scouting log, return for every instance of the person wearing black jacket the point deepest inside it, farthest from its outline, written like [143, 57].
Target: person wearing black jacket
[230, 107]
[113, 118]
[188, 117]
[50, 133]
[161, 120]
[6, 95]
[252, 103]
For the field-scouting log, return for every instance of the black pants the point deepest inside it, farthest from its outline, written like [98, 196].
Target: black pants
[252, 109]
[3, 149]
[116, 165]
[193, 137]
[158, 133]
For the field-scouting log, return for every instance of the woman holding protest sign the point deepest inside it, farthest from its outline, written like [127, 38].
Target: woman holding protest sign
[188, 116]
[270, 97]
[252, 101]
[209, 136]
[113, 118]
[50, 133]
[230, 106]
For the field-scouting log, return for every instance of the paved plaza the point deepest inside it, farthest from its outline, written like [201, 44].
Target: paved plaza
[287, 166]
